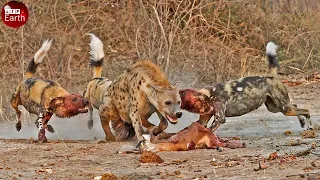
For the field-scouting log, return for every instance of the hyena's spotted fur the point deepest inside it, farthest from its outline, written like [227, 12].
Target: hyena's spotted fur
[98, 85]
[134, 96]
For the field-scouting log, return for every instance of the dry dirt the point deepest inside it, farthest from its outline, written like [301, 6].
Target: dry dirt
[263, 132]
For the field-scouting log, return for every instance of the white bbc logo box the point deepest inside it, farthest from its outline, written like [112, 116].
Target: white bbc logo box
[12, 11]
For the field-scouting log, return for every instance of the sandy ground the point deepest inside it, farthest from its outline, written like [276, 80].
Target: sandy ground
[73, 151]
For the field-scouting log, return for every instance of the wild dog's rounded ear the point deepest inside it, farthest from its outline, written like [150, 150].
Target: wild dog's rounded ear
[177, 84]
[54, 103]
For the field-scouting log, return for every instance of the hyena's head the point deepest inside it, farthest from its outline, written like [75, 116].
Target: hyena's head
[195, 101]
[69, 105]
[167, 101]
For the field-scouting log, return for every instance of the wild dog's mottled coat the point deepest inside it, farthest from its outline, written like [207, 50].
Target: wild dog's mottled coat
[44, 97]
[235, 98]
[98, 85]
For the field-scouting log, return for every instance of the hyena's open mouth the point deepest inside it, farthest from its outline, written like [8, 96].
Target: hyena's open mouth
[172, 120]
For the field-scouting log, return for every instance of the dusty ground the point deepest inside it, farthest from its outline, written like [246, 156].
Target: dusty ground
[68, 157]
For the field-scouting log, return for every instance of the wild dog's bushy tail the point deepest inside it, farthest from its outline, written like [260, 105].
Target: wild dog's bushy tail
[96, 55]
[38, 58]
[271, 52]
[122, 130]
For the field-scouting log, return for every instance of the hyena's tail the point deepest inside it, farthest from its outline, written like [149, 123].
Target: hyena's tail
[271, 52]
[97, 55]
[38, 58]
[122, 130]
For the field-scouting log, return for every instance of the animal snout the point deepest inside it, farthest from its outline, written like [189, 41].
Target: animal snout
[85, 101]
[178, 114]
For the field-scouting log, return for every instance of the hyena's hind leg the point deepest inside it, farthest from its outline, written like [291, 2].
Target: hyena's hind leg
[15, 102]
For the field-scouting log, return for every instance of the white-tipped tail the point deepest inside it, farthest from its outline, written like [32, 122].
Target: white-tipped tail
[96, 48]
[271, 48]
[42, 52]
[271, 51]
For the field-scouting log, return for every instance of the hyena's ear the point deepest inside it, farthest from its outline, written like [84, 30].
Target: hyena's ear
[54, 103]
[155, 88]
[177, 84]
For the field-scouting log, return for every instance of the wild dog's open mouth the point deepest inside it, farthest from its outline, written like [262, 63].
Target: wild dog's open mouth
[83, 110]
[172, 120]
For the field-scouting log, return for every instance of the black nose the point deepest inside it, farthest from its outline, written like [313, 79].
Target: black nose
[85, 101]
[179, 114]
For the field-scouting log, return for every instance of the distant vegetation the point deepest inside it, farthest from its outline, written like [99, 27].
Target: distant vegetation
[197, 42]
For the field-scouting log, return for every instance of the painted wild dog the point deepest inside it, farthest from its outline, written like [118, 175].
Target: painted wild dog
[98, 85]
[192, 137]
[133, 97]
[238, 97]
[45, 97]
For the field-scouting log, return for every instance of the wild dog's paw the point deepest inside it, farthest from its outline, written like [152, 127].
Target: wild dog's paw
[43, 139]
[302, 121]
[220, 149]
[312, 124]
[310, 128]
[146, 144]
[42, 136]
[50, 128]
[18, 126]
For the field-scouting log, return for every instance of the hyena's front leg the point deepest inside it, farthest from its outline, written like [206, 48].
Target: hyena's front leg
[157, 133]
[137, 123]
[163, 124]
[135, 118]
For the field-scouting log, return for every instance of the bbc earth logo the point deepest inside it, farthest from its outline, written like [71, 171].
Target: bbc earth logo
[14, 14]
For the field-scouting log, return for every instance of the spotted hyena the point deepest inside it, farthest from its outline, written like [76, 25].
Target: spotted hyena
[133, 97]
